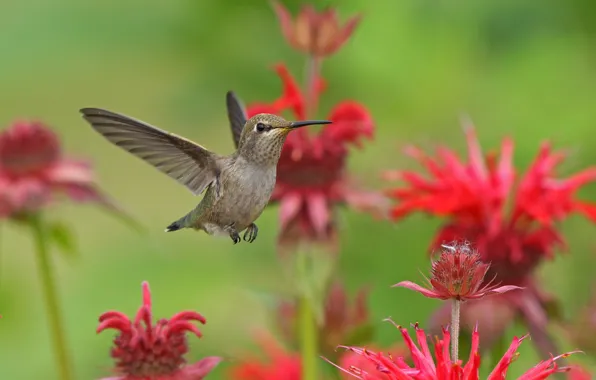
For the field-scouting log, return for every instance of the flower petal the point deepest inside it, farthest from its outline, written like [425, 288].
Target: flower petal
[351, 121]
[290, 205]
[292, 95]
[344, 34]
[415, 287]
[500, 371]
[202, 368]
[318, 212]
[285, 21]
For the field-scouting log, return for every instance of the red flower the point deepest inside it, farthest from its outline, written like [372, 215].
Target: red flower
[310, 172]
[578, 373]
[474, 196]
[280, 364]
[458, 274]
[154, 352]
[350, 359]
[32, 171]
[342, 321]
[318, 34]
[426, 367]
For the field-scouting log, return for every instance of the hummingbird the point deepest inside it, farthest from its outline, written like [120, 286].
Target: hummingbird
[237, 187]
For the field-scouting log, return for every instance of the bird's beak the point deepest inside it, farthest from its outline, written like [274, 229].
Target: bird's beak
[298, 124]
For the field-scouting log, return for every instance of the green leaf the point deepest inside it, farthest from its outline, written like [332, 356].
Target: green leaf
[60, 235]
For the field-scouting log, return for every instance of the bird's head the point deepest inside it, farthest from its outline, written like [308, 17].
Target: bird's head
[264, 134]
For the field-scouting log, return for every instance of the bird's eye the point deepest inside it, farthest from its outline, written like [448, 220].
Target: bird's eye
[261, 127]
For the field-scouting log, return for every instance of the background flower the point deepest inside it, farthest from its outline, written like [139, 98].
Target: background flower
[311, 171]
[520, 68]
[143, 350]
[512, 223]
[33, 171]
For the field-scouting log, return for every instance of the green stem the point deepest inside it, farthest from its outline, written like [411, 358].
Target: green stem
[0, 261]
[313, 66]
[307, 323]
[308, 340]
[455, 306]
[51, 298]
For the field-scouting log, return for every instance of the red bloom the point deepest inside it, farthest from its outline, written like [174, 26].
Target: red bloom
[342, 321]
[578, 373]
[32, 171]
[473, 196]
[350, 359]
[425, 367]
[318, 34]
[310, 172]
[280, 364]
[154, 352]
[458, 274]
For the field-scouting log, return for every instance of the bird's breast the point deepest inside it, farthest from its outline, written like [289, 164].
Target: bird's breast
[248, 192]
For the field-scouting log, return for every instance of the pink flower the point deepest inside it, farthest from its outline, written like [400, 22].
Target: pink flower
[385, 367]
[458, 274]
[154, 352]
[33, 171]
[318, 34]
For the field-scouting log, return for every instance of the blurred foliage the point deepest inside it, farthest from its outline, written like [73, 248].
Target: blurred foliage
[525, 69]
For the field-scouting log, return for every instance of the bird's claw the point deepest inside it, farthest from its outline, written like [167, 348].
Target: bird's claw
[251, 233]
[235, 237]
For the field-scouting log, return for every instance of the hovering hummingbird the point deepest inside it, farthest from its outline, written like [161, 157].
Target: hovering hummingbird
[237, 187]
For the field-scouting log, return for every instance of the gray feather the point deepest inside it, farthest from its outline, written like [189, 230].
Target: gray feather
[236, 115]
[183, 160]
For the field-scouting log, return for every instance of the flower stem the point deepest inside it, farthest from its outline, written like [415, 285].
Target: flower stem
[51, 298]
[455, 305]
[308, 340]
[313, 66]
[307, 325]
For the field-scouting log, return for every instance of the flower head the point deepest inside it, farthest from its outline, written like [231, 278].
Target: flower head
[280, 364]
[474, 195]
[317, 34]
[350, 359]
[143, 350]
[511, 222]
[342, 321]
[311, 170]
[459, 274]
[33, 171]
[442, 368]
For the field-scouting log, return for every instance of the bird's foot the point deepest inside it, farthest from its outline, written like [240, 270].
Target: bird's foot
[251, 233]
[235, 237]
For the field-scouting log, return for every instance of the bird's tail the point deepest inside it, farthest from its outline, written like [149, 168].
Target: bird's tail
[174, 226]
[184, 222]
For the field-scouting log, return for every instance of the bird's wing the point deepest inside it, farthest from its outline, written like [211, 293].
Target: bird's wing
[185, 161]
[236, 115]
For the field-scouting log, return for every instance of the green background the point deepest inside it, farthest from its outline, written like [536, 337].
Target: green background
[524, 69]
